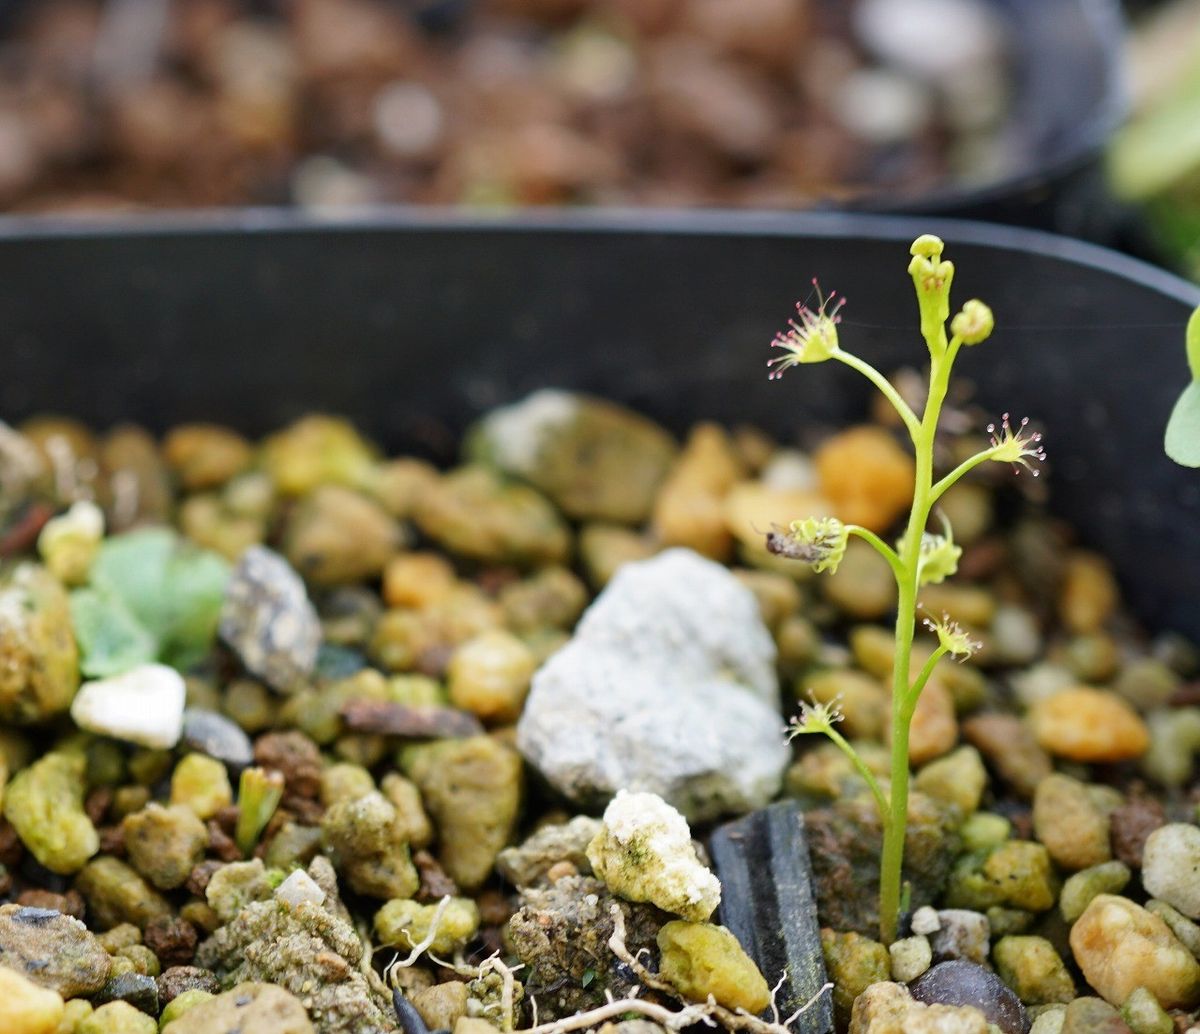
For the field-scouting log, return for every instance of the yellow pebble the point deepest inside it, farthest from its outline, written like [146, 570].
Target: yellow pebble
[489, 676]
[26, 1008]
[867, 476]
[1089, 725]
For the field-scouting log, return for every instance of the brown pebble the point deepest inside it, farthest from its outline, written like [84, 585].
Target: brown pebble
[71, 903]
[197, 881]
[391, 719]
[11, 848]
[112, 840]
[221, 843]
[495, 908]
[1009, 747]
[305, 811]
[96, 804]
[1131, 824]
[174, 981]
[560, 870]
[172, 939]
[226, 818]
[435, 883]
[295, 756]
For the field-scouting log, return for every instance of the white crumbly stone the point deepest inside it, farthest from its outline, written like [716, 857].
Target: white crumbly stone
[669, 687]
[143, 705]
[516, 432]
[1171, 866]
[1051, 1021]
[911, 956]
[300, 889]
[644, 852]
[925, 921]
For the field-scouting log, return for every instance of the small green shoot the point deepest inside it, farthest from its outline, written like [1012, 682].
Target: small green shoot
[921, 557]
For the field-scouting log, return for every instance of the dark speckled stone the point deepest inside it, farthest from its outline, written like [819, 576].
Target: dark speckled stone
[965, 983]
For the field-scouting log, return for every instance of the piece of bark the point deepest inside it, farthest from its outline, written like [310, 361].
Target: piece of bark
[767, 902]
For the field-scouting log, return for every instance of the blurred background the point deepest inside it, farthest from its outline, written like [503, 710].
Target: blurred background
[993, 108]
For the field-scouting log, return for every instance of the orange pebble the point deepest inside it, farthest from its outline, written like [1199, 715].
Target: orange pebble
[867, 476]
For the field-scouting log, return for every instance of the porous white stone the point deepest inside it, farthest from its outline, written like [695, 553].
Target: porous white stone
[143, 705]
[644, 852]
[1171, 866]
[668, 686]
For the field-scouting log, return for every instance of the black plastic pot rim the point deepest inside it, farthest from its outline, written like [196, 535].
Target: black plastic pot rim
[629, 221]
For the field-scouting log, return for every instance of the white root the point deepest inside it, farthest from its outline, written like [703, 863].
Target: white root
[421, 946]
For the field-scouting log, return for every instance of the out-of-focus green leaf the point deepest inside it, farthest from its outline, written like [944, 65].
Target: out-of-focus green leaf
[172, 588]
[111, 640]
[1183, 429]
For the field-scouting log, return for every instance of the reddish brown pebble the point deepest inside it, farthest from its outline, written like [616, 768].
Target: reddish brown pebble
[1131, 824]
[221, 844]
[70, 904]
[295, 756]
[390, 719]
[197, 881]
[174, 981]
[1010, 749]
[11, 848]
[112, 840]
[495, 908]
[96, 804]
[435, 884]
[172, 939]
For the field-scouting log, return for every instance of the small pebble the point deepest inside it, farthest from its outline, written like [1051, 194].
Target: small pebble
[886, 1007]
[1010, 748]
[144, 706]
[961, 934]
[1089, 593]
[217, 736]
[1089, 725]
[1050, 1020]
[1181, 926]
[1080, 888]
[911, 956]
[137, 989]
[269, 621]
[1171, 866]
[1067, 821]
[1174, 740]
[1033, 969]
[1119, 947]
[965, 983]
[1144, 1015]
[26, 1008]
[117, 1018]
[1132, 823]
[299, 889]
[925, 921]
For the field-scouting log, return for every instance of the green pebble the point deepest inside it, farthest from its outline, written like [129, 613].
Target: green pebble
[1081, 887]
[120, 936]
[1144, 1015]
[344, 782]
[958, 778]
[1186, 931]
[1049, 1020]
[105, 763]
[116, 893]
[180, 1004]
[1003, 921]
[403, 924]
[117, 1018]
[968, 887]
[147, 766]
[1033, 969]
[367, 840]
[201, 784]
[143, 959]
[165, 844]
[984, 830]
[702, 960]
[416, 691]
[44, 803]
[853, 963]
[1025, 875]
[293, 845]
[250, 704]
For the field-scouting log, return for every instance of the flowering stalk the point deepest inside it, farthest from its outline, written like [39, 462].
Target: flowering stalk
[921, 557]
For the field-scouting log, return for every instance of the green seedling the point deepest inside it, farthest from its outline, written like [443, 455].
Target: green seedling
[1183, 429]
[921, 557]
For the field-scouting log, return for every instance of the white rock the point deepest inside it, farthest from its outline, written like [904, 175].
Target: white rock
[668, 687]
[935, 39]
[1171, 866]
[925, 921]
[516, 432]
[883, 107]
[300, 889]
[143, 705]
[644, 852]
[911, 956]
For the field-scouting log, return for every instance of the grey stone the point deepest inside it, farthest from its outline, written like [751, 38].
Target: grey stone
[137, 989]
[961, 934]
[525, 864]
[268, 620]
[54, 950]
[965, 983]
[217, 736]
[668, 687]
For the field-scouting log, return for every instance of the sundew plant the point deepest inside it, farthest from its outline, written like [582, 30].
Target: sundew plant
[921, 556]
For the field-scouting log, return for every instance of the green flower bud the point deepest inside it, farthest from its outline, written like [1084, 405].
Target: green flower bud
[932, 277]
[927, 246]
[939, 556]
[973, 323]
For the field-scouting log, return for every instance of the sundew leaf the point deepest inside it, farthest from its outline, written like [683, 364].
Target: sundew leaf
[172, 587]
[1183, 429]
[111, 640]
[1193, 344]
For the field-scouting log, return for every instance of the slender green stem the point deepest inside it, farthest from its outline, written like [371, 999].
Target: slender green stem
[966, 466]
[942, 355]
[861, 768]
[881, 547]
[914, 691]
[885, 386]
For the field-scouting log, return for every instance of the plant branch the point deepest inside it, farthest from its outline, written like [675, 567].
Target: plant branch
[885, 386]
[860, 767]
[914, 691]
[881, 547]
[963, 468]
